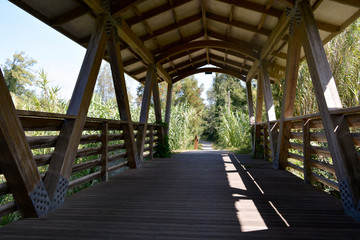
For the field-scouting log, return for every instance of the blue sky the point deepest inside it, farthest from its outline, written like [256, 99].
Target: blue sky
[60, 57]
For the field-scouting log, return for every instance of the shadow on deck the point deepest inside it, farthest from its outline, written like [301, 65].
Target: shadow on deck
[195, 195]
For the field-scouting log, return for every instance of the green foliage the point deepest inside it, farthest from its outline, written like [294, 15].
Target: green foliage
[217, 118]
[162, 150]
[234, 131]
[181, 129]
[18, 74]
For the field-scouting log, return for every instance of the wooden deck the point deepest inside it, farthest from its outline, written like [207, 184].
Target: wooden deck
[195, 195]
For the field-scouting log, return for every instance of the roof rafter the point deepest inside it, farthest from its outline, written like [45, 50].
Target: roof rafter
[156, 11]
[204, 44]
[255, 7]
[126, 34]
[122, 6]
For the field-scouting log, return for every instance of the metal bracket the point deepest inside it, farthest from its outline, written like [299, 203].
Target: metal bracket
[295, 15]
[348, 203]
[60, 193]
[40, 199]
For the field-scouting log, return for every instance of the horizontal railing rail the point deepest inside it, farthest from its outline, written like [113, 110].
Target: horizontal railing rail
[42, 130]
[320, 170]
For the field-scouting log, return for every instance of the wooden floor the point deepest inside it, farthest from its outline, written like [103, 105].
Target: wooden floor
[195, 195]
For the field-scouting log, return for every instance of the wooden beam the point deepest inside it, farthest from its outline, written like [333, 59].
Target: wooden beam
[156, 11]
[255, 48]
[168, 107]
[130, 38]
[258, 116]
[270, 108]
[69, 16]
[122, 6]
[288, 101]
[254, 7]
[343, 152]
[171, 27]
[117, 71]
[16, 160]
[204, 44]
[144, 112]
[250, 103]
[352, 3]
[209, 69]
[253, 71]
[238, 24]
[104, 152]
[157, 108]
[57, 177]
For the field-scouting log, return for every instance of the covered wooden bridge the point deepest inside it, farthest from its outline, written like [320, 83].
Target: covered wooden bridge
[166, 40]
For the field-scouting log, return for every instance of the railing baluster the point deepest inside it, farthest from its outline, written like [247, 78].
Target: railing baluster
[306, 151]
[151, 143]
[104, 152]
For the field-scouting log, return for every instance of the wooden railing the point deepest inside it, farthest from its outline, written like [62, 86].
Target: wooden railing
[101, 151]
[308, 153]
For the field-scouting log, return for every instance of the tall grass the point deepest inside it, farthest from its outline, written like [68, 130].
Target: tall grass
[181, 129]
[234, 131]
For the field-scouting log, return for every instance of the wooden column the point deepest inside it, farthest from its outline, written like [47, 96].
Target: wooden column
[168, 107]
[306, 151]
[250, 103]
[104, 152]
[157, 108]
[16, 160]
[151, 143]
[287, 110]
[265, 141]
[57, 177]
[270, 108]
[145, 106]
[258, 115]
[343, 152]
[113, 49]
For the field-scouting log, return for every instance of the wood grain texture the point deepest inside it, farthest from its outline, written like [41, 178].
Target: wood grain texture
[195, 195]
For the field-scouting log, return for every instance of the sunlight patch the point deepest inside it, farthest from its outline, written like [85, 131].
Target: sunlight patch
[249, 217]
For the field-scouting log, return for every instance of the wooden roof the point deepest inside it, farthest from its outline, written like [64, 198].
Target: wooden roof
[183, 35]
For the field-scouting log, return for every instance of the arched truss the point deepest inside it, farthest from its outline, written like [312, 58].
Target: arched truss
[209, 69]
[207, 44]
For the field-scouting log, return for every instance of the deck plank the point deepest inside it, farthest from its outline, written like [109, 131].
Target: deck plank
[195, 195]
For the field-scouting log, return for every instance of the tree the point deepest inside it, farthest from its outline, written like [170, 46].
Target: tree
[104, 84]
[218, 99]
[18, 74]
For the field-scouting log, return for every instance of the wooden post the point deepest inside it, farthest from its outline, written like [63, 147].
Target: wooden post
[306, 151]
[104, 152]
[250, 103]
[16, 160]
[343, 152]
[151, 143]
[57, 177]
[113, 49]
[265, 141]
[287, 110]
[168, 107]
[258, 115]
[157, 108]
[145, 106]
[270, 108]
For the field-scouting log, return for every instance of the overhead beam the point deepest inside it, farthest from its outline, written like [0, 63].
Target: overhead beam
[204, 44]
[238, 24]
[122, 6]
[171, 27]
[254, 7]
[352, 3]
[156, 11]
[210, 69]
[131, 39]
[276, 35]
[69, 16]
